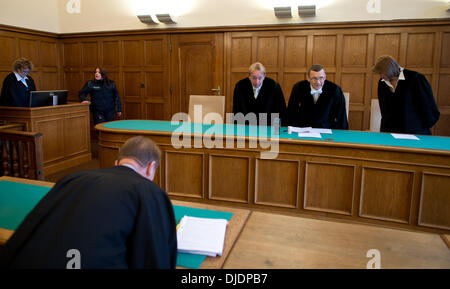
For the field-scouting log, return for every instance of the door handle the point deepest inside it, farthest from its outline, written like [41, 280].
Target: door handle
[216, 89]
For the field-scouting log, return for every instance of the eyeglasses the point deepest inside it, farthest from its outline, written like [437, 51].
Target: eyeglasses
[318, 78]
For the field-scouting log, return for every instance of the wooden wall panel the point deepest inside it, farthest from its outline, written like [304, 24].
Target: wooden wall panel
[420, 50]
[347, 51]
[354, 51]
[189, 182]
[434, 201]
[295, 51]
[284, 181]
[268, 51]
[233, 185]
[386, 194]
[241, 52]
[110, 53]
[49, 54]
[28, 48]
[387, 44]
[336, 194]
[324, 50]
[89, 54]
[7, 52]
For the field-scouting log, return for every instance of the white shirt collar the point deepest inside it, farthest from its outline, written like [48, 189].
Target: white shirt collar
[400, 77]
[20, 78]
[130, 166]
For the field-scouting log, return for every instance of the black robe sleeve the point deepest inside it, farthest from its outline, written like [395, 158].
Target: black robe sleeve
[429, 111]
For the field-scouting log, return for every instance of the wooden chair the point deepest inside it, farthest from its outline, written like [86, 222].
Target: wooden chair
[375, 116]
[21, 154]
[209, 103]
[347, 102]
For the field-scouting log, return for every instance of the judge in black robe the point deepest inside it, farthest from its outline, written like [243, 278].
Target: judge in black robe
[410, 108]
[115, 217]
[328, 112]
[270, 98]
[14, 91]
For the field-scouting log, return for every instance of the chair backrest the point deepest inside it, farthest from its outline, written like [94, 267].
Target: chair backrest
[347, 102]
[21, 154]
[375, 116]
[209, 103]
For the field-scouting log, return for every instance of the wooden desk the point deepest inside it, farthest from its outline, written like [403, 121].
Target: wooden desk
[235, 225]
[64, 128]
[273, 241]
[361, 176]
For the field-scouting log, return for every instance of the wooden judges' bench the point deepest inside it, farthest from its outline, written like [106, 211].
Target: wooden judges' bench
[351, 175]
[64, 128]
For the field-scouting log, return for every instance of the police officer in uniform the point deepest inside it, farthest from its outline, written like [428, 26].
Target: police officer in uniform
[105, 101]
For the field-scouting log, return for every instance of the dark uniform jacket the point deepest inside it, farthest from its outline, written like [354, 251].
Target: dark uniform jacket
[104, 97]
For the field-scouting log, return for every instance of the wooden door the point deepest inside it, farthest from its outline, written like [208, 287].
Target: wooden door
[197, 66]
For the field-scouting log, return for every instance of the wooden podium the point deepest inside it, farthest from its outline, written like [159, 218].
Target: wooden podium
[65, 130]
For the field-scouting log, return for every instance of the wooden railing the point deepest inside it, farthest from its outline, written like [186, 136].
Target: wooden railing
[21, 154]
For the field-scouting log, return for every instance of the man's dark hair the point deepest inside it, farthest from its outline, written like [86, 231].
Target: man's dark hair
[315, 67]
[141, 149]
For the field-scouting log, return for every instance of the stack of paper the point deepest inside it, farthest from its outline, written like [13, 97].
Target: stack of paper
[201, 236]
[308, 131]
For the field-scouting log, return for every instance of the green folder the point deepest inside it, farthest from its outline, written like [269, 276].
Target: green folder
[14, 207]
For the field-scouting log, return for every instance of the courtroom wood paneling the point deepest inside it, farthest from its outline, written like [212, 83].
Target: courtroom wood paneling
[197, 67]
[443, 91]
[386, 194]
[335, 195]
[295, 51]
[434, 201]
[7, 51]
[186, 182]
[373, 184]
[110, 55]
[53, 146]
[28, 48]
[354, 51]
[89, 54]
[346, 50]
[281, 188]
[43, 51]
[79, 140]
[387, 44]
[324, 50]
[49, 54]
[420, 50]
[229, 178]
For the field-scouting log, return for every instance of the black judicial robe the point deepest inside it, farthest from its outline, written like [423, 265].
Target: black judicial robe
[411, 108]
[270, 99]
[15, 93]
[328, 112]
[114, 217]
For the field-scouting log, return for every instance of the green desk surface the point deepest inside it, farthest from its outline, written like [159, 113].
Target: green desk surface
[337, 136]
[14, 207]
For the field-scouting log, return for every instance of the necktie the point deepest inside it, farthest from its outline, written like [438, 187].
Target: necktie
[315, 94]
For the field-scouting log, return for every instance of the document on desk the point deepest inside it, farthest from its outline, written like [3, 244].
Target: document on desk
[404, 136]
[305, 130]
[201, 236]
[310, 134]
